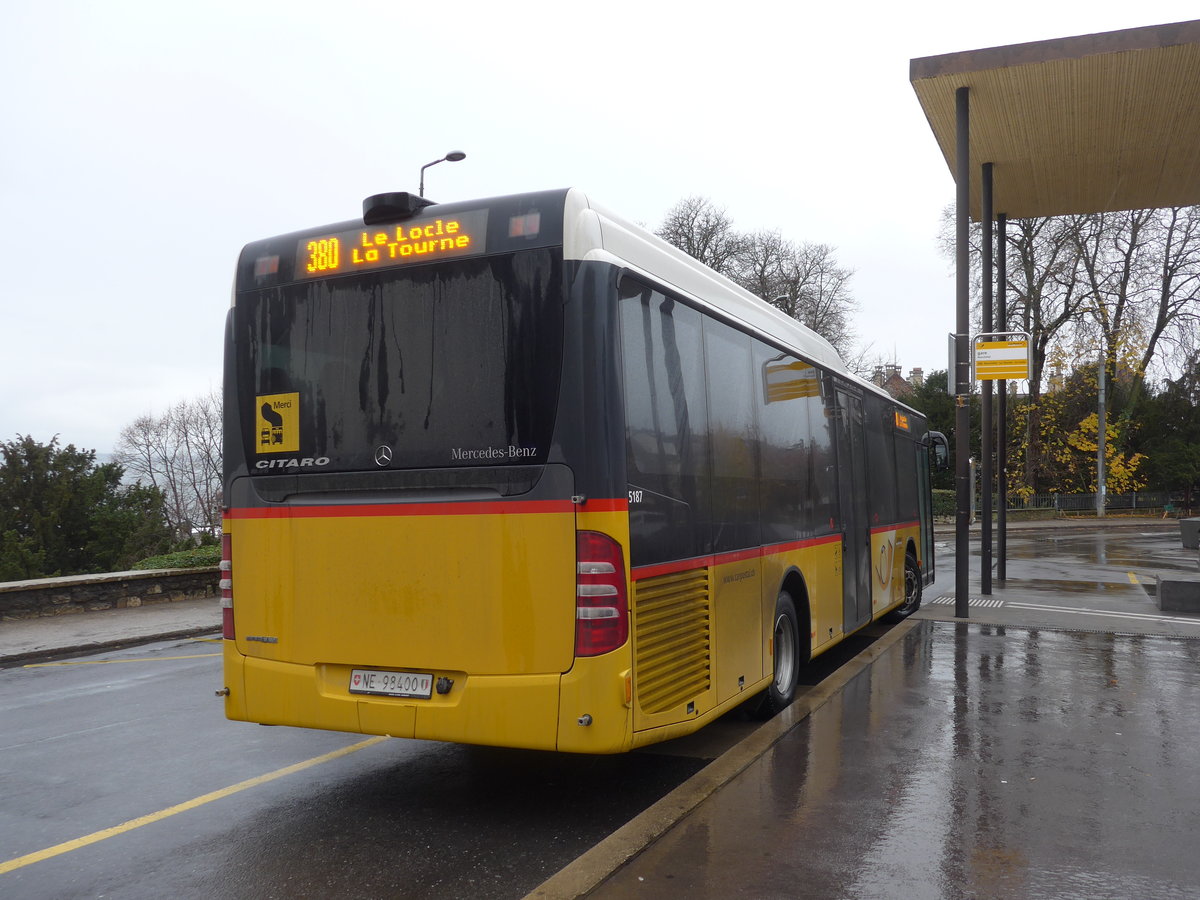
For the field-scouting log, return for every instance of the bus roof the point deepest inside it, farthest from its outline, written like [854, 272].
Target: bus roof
[593, 232]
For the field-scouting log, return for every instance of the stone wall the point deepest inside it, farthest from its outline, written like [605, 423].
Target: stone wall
[113, 590]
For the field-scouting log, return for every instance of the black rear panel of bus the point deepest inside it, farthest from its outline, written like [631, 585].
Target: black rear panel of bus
[451, 365]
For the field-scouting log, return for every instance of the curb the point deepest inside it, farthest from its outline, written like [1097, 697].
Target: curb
[51, 654]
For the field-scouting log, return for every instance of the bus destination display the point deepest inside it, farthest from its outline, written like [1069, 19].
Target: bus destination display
[380, 246]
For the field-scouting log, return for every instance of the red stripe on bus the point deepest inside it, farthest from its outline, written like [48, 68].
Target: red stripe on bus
[882, 528]
[717, 559]
[461, 508]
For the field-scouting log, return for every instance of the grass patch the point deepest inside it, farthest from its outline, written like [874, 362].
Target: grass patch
[196, 558]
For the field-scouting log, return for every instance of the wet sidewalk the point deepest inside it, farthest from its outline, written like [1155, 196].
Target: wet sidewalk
[1046, 746]
[54, 637]
[963, 760]
[1083, 575]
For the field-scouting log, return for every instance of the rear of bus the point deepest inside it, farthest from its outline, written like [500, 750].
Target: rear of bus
[417, 542]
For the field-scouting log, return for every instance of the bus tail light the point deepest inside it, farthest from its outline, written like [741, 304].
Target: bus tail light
[601, 597]
[227, 587]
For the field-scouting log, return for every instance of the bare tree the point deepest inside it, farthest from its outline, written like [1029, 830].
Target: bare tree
[1044, 300]
[1125, 284]
[1142, 274]
[820, 289]
[179, 453]
[802, 280]
[1115, 256]
[703, 232]
[762, 267]
[1175, 291]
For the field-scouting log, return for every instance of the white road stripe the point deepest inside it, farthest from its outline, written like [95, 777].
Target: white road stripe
[980, 603]
[948, 600]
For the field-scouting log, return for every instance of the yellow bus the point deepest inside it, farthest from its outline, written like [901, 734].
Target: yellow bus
[516, 472]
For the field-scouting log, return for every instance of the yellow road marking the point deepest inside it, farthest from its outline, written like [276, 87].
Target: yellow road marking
[1132, 578]
[105, 662]
[97, 836]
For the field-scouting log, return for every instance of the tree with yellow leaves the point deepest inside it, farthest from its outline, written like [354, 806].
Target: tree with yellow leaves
[1068, 428]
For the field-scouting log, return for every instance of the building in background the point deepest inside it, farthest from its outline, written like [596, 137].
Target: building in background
[888, 377]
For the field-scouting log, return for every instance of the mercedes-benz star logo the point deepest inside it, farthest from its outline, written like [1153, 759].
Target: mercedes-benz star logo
[383, 455]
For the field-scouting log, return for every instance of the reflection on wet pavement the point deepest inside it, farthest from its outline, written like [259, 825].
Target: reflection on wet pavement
[970, 761]
[1072, 587]
[1119, 549]
[1072, 577]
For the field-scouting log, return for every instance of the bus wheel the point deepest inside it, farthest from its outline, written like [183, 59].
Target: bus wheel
[912, 591]
[785, 640]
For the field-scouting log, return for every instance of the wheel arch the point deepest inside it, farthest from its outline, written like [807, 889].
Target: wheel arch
[793, 582]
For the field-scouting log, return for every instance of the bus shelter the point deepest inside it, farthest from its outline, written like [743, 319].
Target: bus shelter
[1093, 123]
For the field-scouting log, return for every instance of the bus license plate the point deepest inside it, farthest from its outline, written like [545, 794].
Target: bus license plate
[391, 684]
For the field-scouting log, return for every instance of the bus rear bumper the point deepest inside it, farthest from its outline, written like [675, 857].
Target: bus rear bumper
[524, 711]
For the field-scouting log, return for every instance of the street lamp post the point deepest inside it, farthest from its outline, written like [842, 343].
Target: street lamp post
[1101, 440]
[452, 156]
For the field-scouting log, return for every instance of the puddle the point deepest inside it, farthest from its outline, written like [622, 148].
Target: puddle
[1070, 587]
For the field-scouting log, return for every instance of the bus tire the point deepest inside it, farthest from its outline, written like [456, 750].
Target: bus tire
[912, 591]
[785, 641]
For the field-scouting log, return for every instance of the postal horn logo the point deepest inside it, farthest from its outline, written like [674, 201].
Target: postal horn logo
[277, 429]
[883, 569]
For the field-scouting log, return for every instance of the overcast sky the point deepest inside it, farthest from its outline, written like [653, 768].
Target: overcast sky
[144, 143]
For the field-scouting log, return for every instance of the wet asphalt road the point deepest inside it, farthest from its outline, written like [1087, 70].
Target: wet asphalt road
[105, 740]
[100, 742]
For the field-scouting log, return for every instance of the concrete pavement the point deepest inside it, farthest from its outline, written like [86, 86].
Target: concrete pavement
[1077, 574]
[1048, 745]
[964, 760]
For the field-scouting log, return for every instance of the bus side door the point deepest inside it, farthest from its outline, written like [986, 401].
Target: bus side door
[852, 497]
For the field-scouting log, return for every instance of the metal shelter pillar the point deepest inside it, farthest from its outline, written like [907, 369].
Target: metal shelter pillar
[1002, 403]
[986, 424]
[962, 365]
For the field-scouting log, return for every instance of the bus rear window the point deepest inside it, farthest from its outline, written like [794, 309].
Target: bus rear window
[439, 366]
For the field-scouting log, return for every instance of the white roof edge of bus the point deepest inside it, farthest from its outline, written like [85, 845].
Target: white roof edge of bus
[593, 232]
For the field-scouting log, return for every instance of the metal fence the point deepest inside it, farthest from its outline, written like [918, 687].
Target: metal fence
[1147, 500]
[1168, 503]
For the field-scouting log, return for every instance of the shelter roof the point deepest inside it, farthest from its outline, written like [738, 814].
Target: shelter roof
[1082, 124]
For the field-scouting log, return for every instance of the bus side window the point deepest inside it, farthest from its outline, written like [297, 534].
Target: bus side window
[790, 389]
[733, 436]
[665, 424]
[881, 460]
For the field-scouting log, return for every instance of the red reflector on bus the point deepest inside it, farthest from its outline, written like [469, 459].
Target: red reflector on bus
[601, 600]
[227, 587]
[525, 226]
[266, 265]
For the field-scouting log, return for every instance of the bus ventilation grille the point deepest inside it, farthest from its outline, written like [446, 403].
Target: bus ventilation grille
[673, 642]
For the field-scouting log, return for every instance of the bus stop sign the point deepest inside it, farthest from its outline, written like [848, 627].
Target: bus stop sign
[1002, 356]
